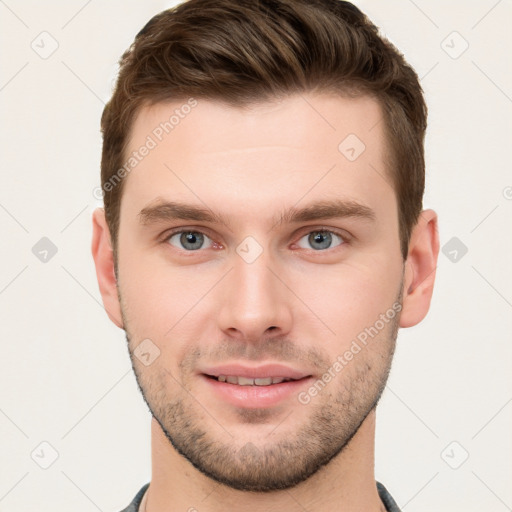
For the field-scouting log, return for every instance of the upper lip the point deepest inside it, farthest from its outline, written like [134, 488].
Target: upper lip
[256, 372]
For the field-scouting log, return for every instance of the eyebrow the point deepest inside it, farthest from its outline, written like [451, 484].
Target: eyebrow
[162, 211]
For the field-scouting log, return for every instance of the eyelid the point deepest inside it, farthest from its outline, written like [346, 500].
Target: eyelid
[183, 229]
[203, 231]
[347, 237]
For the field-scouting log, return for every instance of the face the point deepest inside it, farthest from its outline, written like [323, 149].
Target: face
[254, 247]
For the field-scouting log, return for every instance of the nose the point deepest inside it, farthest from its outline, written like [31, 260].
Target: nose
[254, 302]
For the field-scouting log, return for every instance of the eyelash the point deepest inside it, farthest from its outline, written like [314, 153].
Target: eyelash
[343, 235]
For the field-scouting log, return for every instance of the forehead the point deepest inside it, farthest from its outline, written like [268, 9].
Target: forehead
[260, 156]
[308, 118]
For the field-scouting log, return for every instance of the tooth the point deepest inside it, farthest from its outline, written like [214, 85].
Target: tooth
[263, 382]
[244, 381]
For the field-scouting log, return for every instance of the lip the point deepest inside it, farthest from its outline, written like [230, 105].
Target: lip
[261, 372]
[254, 397]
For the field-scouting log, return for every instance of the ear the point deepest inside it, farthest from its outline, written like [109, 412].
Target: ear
[420, 269]
[104, 260]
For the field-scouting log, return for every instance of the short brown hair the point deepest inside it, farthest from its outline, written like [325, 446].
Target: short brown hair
[246, 51]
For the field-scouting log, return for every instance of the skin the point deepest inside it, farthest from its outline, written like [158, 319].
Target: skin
[293, 304]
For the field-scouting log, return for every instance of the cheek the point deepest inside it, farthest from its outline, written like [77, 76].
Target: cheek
[154, 292]
[349, 298]
[166, 305]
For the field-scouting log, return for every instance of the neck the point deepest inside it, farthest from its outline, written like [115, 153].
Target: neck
[346, 484]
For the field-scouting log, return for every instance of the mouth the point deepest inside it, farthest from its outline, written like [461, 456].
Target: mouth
[263, 375]
[248, 381]
[254, 387]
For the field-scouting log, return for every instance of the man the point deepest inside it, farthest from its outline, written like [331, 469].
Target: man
[262, 241]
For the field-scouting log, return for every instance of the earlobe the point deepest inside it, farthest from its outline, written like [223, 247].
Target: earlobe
[103, 256]
[420, 269]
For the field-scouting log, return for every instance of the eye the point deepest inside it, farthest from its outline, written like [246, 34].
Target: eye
[189, 240]
[320, 240]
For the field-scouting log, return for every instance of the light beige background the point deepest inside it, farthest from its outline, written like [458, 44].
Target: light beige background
[65, 374]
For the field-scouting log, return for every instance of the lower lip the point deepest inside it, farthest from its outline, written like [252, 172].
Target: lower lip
[253, 397]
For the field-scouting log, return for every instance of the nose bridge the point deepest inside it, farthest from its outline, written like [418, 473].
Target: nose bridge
[254, 300]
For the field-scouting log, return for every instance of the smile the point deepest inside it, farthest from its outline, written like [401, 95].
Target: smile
[247, 381]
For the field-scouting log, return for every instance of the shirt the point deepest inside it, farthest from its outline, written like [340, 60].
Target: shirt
[384, 495]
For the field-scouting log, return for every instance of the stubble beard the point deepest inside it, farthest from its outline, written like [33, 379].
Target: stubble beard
[286, 459]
